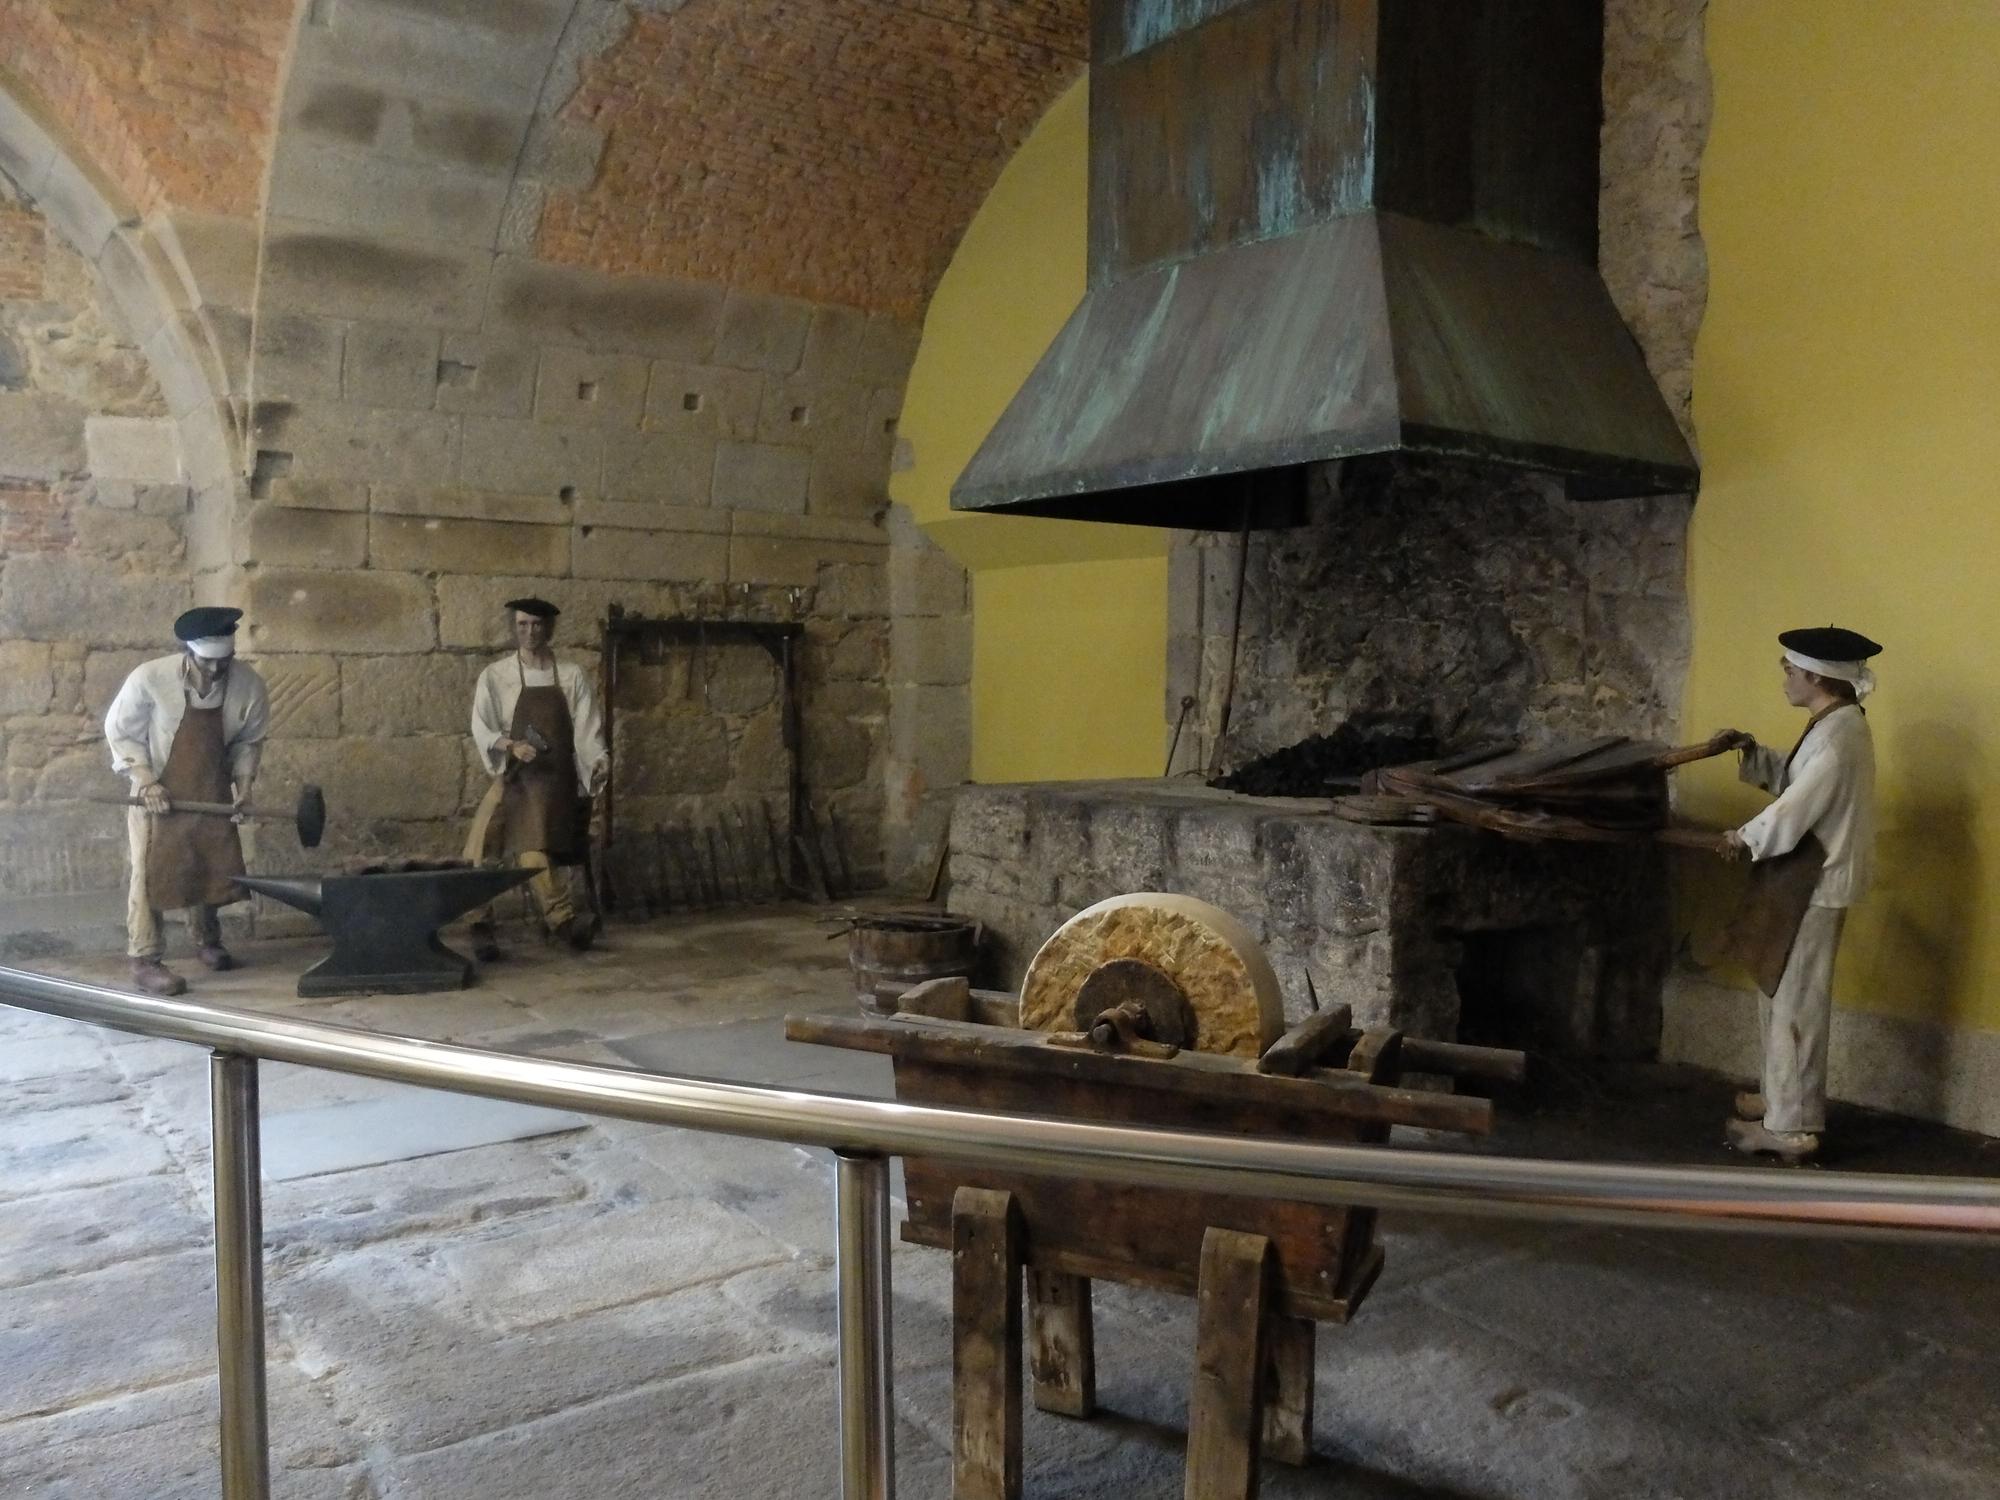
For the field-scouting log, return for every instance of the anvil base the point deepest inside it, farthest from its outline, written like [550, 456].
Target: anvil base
[385, 927]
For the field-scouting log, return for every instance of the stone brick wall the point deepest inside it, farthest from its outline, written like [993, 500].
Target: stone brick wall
[439, 421]
[669, 449]
[93, 516]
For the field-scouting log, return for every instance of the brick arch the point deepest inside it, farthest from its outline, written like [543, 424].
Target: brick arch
[171, 100]
[133, 272]
[828, 149]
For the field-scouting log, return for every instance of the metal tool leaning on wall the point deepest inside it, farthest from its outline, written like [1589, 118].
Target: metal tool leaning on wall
[540, 731]
[186, 729]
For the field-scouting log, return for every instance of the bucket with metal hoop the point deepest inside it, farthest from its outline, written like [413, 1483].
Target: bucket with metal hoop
[889, 952]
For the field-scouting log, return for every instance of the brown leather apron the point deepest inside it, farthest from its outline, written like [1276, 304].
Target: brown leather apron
[1779, 895]
[191, 856]
[539, 800]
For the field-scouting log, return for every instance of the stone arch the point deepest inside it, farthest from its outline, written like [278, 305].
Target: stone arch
[151, 293]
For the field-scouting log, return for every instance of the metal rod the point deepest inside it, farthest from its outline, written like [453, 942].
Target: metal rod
[239, 1277]
[861, 1260]
[1712, 1198]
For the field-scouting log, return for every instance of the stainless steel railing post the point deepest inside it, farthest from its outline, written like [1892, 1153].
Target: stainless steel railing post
[239, 1276]
[867, 1405]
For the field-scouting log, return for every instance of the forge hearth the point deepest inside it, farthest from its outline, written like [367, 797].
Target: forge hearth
[1439, 931]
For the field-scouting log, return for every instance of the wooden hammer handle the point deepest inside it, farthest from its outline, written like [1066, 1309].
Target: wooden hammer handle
[1501, 1064]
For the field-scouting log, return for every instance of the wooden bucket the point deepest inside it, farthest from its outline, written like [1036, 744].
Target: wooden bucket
[888, 952]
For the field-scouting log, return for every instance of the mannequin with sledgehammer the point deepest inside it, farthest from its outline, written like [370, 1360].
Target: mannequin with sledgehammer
[188, 727]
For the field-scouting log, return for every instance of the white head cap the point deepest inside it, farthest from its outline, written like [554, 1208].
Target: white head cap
[213, 647]
[1857, 672]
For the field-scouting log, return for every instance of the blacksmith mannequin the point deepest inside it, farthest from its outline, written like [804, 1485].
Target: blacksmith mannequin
[538, 726]
[1825, 810]
[189, 726]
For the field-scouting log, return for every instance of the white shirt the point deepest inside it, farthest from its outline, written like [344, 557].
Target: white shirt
[1829, 791]
[147, 713]
[499, 689]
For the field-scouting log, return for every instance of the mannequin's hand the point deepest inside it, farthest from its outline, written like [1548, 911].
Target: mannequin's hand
[1733, 849]
[153, 797]
[1732, 739]
[521, 750]
[241, 803]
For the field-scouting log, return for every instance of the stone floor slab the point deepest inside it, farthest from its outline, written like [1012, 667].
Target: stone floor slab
[94, 1336]
[65, 1234]
[73, 1148]
[436, 1195]
[597, 1259]
[390, 1339]
[1616, 1307]
[764, 1427]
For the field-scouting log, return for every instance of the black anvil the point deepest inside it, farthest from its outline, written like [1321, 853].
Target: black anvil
[385, 925]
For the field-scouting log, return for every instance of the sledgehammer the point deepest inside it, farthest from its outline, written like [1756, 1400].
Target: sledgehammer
[309, 819]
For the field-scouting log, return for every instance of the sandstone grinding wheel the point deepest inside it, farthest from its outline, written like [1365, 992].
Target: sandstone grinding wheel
[1229, 987]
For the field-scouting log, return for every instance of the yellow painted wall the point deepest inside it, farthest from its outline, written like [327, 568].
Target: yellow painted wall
[1847, 404]
[1068, 619]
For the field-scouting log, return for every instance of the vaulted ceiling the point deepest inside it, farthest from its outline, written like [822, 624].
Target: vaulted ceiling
[829, 149]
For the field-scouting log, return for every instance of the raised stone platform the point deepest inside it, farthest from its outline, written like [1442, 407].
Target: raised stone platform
[1442, 931]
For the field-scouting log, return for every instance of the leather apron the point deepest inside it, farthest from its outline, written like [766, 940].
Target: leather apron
[190, 857]
[538, 799]
[1779, 895]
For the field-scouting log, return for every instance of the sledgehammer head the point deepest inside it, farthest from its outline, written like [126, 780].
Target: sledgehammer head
[311, 816]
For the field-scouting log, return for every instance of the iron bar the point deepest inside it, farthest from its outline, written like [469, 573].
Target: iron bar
[1712, 1198]
[861, 1259]
[239, 1276]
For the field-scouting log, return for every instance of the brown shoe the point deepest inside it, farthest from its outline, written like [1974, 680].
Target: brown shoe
[155, 978]
[1749, 1105]
[215, 957]
[1792, 1147]
[578, 932]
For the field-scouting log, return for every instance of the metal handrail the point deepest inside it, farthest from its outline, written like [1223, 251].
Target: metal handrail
[864, 1132]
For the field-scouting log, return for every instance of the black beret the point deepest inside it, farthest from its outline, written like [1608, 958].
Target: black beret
[541, 609]
[1829, 643]
[210, 619]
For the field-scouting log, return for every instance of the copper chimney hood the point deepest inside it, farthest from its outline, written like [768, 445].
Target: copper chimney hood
[1322, 228]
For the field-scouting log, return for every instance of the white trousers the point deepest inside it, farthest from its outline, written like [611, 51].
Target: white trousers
[1796, 1021]
[142, 918]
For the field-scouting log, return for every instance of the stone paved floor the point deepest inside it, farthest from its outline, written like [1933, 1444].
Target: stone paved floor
[626, 1311]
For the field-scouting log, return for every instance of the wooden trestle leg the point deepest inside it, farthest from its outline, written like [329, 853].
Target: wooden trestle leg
[1288, 1388]
[986, 1345]
[1063, 1350]
[1226, 1411]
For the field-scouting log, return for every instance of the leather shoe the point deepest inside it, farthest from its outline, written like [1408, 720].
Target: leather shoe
[1792, 1147]
[155, 978]
[1750, 1105]
[215, 957]
[578, 932]
[485, 947]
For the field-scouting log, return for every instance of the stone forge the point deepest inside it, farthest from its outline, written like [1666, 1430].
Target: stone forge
[1441, 931]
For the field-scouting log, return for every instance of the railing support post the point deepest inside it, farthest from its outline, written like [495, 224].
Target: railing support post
[867, 1407]
[239, 1276]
